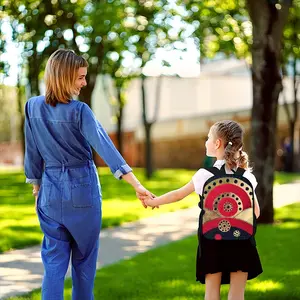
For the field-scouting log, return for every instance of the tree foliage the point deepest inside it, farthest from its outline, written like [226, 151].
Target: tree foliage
[252, 30]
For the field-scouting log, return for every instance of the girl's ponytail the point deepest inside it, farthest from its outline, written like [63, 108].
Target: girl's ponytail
[231, 133]
[230, 156]
[243, 160]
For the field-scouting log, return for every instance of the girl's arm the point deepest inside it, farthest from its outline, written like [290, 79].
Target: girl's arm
[172, 196]
[256, 207]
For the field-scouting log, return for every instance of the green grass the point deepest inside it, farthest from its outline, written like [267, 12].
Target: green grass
[19, 225]
[282, 177]
[168, 272]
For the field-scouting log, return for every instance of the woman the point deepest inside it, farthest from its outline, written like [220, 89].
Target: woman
[59, 134]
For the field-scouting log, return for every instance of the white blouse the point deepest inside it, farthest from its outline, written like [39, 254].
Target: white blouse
[202, 175]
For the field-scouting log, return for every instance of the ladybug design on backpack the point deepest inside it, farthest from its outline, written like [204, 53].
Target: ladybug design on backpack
[227, 206]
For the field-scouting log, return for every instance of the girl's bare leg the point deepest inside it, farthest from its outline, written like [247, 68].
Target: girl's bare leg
[238, 282]
[212, 286]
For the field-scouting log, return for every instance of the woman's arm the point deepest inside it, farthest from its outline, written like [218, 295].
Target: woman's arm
[256, 207]
[33, 162]
[141, 192]
[132, 180]
[172, 196]
[98, 138]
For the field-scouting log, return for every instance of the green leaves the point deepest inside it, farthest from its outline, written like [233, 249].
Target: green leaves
[220, 26]
[291, 45]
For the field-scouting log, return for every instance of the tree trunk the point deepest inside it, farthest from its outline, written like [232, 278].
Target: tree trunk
[86, 93]
[295, 109]
[33, 74]
[292, 116]
[120, 120]
[22, 118]
[93, 72]
[292, 145]
[268, 23]
[147, 127]
[148, 152]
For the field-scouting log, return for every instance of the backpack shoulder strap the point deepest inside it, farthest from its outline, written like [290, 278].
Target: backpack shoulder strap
[218, 172]
[223, 170]
[213, 170]
[240, 171]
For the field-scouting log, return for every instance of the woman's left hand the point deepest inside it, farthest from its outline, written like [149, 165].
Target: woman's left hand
[36, 198]
[35, 192]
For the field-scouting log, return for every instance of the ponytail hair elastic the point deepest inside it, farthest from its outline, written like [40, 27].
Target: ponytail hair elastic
[230, 143]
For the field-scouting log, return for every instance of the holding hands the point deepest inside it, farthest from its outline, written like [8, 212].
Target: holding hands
[141, 192]
[144, 195]
[149, 201]
[169, 197]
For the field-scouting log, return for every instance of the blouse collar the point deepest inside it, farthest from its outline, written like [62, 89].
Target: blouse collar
[219, 163]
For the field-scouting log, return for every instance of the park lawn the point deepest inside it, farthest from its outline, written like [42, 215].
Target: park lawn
[283, 177]
[168, 272]
[19, 225]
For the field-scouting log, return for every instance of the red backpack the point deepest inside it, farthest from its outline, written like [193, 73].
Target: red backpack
[227, 206]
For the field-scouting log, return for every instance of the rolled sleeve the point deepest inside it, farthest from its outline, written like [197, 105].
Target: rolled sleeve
[33, 162]
[122, 171]
[34, 181]
[97, 137]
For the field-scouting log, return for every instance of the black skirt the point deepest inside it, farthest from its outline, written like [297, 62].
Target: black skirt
[227, 256]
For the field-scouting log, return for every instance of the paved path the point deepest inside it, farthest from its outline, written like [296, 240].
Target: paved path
[21, 270]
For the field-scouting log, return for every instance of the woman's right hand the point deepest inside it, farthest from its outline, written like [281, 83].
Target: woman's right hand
[142, 193]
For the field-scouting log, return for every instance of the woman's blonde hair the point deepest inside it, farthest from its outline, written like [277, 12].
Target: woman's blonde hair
[60, 75]
[231, 133]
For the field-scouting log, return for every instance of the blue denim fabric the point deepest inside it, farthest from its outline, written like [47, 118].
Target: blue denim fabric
[69, 211]
[58, 157]
[63, 135]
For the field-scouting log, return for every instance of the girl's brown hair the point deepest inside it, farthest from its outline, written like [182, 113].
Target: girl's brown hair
[60, 75]
[231, 133]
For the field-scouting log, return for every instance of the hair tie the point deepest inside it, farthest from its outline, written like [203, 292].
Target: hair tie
[230, 143]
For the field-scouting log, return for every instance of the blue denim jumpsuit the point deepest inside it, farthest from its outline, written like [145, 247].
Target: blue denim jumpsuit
[58, 157]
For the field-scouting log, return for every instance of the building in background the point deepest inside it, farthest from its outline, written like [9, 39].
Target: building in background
[187, 109]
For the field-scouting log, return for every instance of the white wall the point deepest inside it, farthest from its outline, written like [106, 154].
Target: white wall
[181, 98]
[101, 104]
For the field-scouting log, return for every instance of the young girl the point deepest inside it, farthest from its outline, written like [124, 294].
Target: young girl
[221, 261]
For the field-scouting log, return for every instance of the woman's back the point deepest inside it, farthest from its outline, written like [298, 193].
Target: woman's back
[57, 131]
